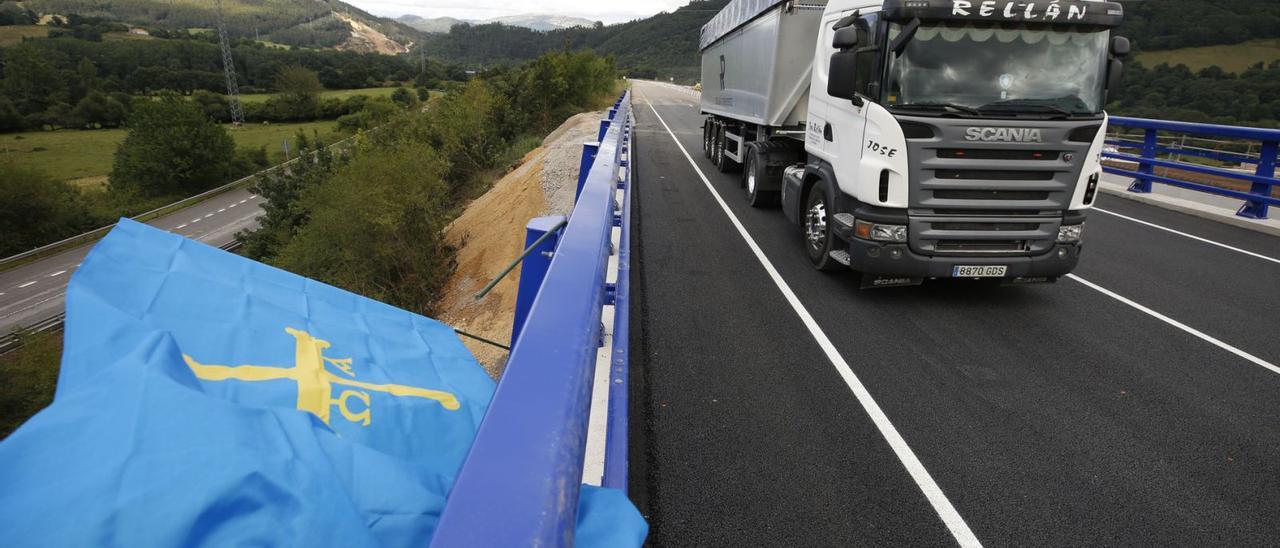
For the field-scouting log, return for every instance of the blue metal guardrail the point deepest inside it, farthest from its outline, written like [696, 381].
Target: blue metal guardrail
[1261, 181]
[520, 482]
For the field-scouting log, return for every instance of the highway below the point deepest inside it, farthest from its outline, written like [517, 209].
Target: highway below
[1136, 402]
[35, 291]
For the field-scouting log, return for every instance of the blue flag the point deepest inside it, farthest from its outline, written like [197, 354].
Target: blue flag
[208, 399]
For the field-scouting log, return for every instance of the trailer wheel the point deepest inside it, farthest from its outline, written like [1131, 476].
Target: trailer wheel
[707, 131]
[717, 144]
[819, 241]
[754, 173]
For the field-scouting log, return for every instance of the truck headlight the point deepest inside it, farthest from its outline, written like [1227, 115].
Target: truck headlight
[1070, 234]
[868, 230]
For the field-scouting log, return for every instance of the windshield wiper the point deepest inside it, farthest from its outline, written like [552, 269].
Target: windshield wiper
[950, 107]
[1017, 105]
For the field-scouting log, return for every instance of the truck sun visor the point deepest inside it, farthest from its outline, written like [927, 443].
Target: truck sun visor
[1053, 12]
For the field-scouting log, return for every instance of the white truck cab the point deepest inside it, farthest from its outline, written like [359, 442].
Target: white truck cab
[918, 138]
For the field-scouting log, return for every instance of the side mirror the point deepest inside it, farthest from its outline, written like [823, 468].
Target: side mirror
[845, 38]
[1119, 46]
[1115, 72]
[842, 78]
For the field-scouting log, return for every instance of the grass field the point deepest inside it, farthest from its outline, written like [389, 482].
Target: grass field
[13, 34]
[327, 94]
[1234, 58]
[86, 155]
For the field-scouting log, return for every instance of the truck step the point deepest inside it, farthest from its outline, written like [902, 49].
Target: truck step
[841, 256]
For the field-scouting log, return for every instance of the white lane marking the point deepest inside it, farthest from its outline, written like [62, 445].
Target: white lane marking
[941, 505]
[181, 226]
[221, 210]
[253, 195]
[1184, 327]
[242, 201]
[209, 215]
[58, 273]
[195, 220]
[28, 284]
[232, 205]
[1192, 236]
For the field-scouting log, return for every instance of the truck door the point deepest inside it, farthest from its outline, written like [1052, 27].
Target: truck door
[836, 126]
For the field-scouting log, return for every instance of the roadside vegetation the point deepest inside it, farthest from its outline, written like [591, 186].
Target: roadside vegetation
[372, 221]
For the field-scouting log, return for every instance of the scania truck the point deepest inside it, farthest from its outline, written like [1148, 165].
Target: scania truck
[917, 139]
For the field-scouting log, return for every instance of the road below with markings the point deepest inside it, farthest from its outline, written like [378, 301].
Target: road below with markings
[1136, 402]
[35, 291]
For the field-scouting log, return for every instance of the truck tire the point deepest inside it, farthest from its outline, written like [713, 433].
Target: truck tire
[819, 241]
[717, 144]
[707, 131]
[754, 173]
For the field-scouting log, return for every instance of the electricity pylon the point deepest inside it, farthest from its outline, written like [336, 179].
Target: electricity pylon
[229, 70]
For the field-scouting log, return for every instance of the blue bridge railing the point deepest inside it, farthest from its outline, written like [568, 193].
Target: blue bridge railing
[1260, 177]
[520, 483]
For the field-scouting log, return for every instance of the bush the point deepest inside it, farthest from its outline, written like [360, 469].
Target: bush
[173, 148]
[376, 228]
[31, 376]
[36, 209]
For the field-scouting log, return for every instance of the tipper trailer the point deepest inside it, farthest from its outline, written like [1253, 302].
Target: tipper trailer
[915, 139]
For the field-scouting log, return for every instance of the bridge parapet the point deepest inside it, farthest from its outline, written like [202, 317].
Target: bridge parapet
[1153, 153]
[519, 485]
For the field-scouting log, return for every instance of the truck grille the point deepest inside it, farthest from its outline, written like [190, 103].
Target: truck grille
[970, 198]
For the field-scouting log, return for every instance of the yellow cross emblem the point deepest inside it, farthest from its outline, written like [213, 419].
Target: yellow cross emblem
[315, 382]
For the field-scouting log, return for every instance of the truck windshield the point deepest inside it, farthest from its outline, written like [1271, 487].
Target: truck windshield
[999, 68]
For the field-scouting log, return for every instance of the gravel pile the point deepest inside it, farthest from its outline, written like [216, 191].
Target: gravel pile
[560, 165]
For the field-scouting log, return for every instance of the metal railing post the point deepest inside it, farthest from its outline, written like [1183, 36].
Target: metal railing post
[1149, 144]
[1257, 209]
[589, 151]
[534, 268]
[604, 128]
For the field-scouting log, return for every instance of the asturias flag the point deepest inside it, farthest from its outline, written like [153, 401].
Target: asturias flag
[206, 399]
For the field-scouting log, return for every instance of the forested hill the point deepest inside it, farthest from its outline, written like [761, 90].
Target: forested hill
[665, 45]
[307, 23]
[1170, 24]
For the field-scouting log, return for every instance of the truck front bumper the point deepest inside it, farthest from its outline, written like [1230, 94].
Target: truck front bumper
[886, 259]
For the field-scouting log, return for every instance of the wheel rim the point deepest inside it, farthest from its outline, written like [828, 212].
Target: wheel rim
[751, 177]
[816, 225]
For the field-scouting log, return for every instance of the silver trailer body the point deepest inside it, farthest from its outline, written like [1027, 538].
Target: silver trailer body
[757, 56]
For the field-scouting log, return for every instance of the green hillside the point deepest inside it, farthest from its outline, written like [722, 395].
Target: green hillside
[306, 23]
[665, 45]
[1231, 58]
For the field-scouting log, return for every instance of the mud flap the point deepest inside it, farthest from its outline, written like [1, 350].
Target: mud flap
[1024, 280]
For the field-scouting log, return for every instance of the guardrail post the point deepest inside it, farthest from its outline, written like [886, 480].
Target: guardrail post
[1149, 144]
[604, 128]
[534, 268]
[1257, 209]
[589, 151]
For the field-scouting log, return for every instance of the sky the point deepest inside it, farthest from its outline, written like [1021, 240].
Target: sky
[599, 10]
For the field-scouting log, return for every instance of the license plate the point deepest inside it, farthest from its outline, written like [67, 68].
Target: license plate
[979, 271]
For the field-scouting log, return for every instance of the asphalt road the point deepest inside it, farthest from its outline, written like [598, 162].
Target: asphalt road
[1136, 403]
[35, 291]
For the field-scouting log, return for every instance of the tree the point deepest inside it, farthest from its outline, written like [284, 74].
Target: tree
[97, 109]
[376, 228]
[299, 89]
[10, 119]
[30, 80]
[402, 97]
[172, 148]
[36, 209]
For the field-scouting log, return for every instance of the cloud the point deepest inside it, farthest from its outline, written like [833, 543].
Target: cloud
[608, 12]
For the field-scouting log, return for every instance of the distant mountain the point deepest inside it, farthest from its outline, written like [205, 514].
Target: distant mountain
[662, 46]
[531, 21]
[541, 22]
[304, 23]
[433, 25]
